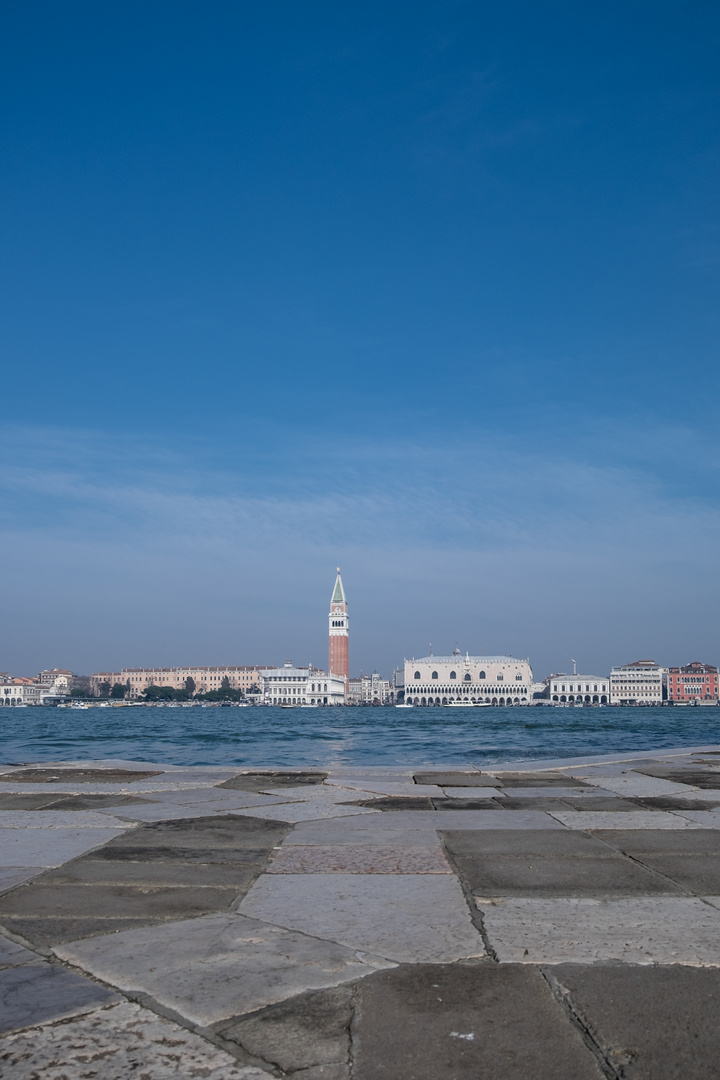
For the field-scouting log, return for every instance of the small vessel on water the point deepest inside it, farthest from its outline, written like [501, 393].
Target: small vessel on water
[468, 705]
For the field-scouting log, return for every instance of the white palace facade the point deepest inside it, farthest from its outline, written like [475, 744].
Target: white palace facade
[493, 680]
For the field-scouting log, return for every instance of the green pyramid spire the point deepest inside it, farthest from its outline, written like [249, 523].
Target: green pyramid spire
[338, 596]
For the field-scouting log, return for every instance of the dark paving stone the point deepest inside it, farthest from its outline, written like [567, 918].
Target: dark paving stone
[113, 901]
[546, 842]
[662, 841]
[456, 779]
[311, 1030]
[85, 871]
[231, 831]
[263, 781]
[10, 801]
[395, 802]
[653, 1023]
[467, 804]
[94, 802]
[701, 778]
[696, 873]
[605, 804]
[532, 875]
[457, 1022]
[77, 776]
[198, 854]
[48, 932]
[665, 802]
[542, 780]
[38, 992]
[545, 804]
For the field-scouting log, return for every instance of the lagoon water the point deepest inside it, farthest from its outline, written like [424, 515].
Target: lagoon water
[344, 736]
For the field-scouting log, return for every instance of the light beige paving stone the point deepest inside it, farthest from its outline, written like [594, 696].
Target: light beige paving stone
[635, 785]
[218, 966]
[116, 1043]
[626, 819]
[51, 847]
[59, 819]
[408, 918]
[645, 930]
[349, 859]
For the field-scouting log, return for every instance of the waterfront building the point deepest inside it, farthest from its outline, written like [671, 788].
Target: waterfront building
[239, 676]
[444, 680]
[369, 690]
[640, 683]
[578, 689]
[23, 692]
[339, 628]
[57, 681]
[693, 683]
[289, 685]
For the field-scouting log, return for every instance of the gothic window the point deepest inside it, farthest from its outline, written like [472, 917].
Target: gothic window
[453, 675]
[467, 677]
[482, 675]
[417, 674]
[434, 674]
[500, 677]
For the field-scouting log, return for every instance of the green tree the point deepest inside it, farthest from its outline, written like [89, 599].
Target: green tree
[105, 689]
[118, 690]
[222, 694]
[190, 685]
[164, 693]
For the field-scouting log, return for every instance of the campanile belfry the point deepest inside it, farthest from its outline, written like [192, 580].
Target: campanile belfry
[339, 663]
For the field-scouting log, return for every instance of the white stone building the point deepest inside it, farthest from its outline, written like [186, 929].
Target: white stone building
[24, 692]
[289, 685]
[639, 683]
[369, 690]
[579, 689]
[442, 680]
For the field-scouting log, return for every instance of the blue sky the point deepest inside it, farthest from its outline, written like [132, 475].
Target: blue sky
[428, 291]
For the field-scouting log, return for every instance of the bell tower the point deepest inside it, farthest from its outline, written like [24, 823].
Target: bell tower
[339, 626]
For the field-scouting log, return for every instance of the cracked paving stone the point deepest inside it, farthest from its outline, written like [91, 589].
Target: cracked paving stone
[310, 1031]
[219, 966]
[637, 930]
[656, 1023]
[116, 1043]
[404, 917]
[465, 1022]
[35, 992]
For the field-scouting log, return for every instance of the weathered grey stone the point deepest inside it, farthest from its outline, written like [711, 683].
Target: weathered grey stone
[407, 918]
[10, 876]
[699, 873]
[307, 810]
[12, 954]
[113, 901]
[639, 819]
[116, 1043]
[235, 875]
[229, 831]
[677, 802]
[91, 802]
[50, 847]
[636, 841]
[656, 1023]
[457, 779]
[48, 932]
[538, 780]
[539, 842]
[392, 803]
[544, 803]
[533, 875]
[76, 776]
[465, 1022]
[59, 819]
[197, 854]
[475, 804]
[32, 801]
[641, 930]
[260, 781]
[36, 992]
[376, 830]
[702, 778]
[220, 966]
[634, 785]
[354, 859]
[306, 1031]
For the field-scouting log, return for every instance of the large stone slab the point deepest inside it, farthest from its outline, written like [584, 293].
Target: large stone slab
[220, 966]
[378, 829]
[196, 874]
[65, 774]
[537, 842]
[455, 779]
[10, 876]
[635, 785]
[349, 859]
[59, 819]
[306, 811]
[121, 1041]
[695, 873]
[533, 875]
[408, 918]
[640, 819]
[36, 992]
[637, 841]
[231, 832]
[54, 900]
[50, 847]
[12, 954]
[656, 1023]
[44, 933]
[465, 1022]
[657, 930]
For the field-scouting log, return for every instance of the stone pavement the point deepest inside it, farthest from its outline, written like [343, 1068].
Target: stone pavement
[541, 921]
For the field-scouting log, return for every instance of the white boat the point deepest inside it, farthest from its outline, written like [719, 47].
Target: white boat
[468, 705]
[404, 706]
